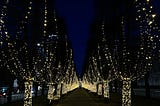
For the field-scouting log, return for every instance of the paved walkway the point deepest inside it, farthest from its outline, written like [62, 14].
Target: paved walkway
[79, 97]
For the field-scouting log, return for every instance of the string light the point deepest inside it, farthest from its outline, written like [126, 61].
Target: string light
[124, 66]
[23, 69]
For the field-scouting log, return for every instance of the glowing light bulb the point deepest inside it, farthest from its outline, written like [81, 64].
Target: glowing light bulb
[144, 9]
[153, 15]
[150, 22]
[45, 24]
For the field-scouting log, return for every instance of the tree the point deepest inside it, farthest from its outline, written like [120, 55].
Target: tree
[100, 66]
[133, 61]
[20, 55]
[128, 60]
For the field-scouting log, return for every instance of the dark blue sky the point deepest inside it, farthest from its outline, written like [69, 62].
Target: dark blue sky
[78, 15]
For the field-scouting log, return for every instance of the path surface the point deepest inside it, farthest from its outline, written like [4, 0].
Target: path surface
[79, 97]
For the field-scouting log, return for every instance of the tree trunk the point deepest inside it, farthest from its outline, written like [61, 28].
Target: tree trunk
[126, 92]
[99, 89]
[106, 89]
[64, 88]
[58, 95]
[61, 89]
[51, 91]
[28, 93]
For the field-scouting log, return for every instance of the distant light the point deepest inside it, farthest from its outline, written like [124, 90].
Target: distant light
[7, 1]
[38, 44]
[144, 9]
[1, 43]
[150, 22]
[52, 35]
[153, 15]
[45, 24]
[30, 8]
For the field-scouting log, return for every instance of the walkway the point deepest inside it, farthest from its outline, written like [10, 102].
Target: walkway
[79, 97]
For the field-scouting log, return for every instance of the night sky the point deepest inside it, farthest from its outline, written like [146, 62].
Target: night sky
[78, 16]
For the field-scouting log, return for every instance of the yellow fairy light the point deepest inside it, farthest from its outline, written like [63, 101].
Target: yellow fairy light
[143, 9]
[45, 24]
[150, 22]
[153, 15]
[30, 8]
[151, 38]
[1, 42]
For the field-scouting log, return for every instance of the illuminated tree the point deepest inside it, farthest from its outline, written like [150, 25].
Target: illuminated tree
[18, 59]
[100, 67]
[21, 56]
[55, 53]
[133, 61]
[3, 50]
[70, 79]
[128, 60]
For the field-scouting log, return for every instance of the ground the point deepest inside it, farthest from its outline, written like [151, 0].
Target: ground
[82, 97]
